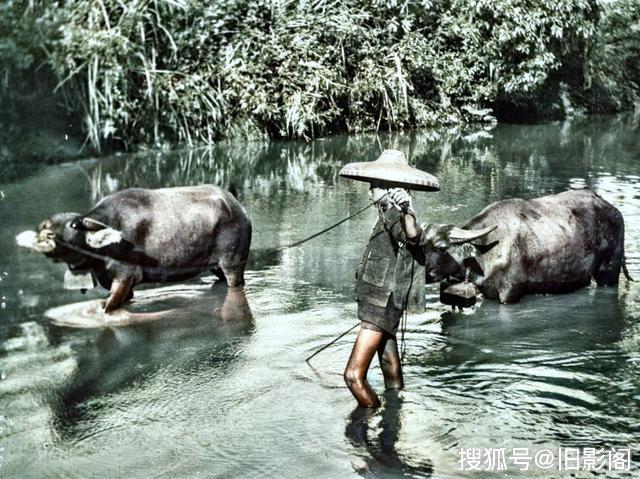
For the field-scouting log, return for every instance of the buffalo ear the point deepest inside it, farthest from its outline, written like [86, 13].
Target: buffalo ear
[90, 224]
[460, 236]
[104, 237]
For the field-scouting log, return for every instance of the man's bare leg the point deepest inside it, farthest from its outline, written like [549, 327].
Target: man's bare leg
[367, 343]
[390, 363]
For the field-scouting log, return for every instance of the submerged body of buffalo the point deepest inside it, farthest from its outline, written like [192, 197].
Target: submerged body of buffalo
[552, 244]
[138, 235]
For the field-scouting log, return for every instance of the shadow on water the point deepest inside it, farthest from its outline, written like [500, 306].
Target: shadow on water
[380, 455]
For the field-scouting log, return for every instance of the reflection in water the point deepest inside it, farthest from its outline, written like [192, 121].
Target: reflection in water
[266, 168]
[191, 334]
[220, 303]
[235, 306]
[535, 363]
[381, 455]
[511, 159]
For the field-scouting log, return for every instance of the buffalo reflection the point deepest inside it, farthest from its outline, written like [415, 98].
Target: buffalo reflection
[199, 331]
[221, 302]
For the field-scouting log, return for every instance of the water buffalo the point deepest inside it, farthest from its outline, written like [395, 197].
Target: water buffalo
[552, 244]
[138, 235]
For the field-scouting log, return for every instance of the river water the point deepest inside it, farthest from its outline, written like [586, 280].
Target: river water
[193, 396]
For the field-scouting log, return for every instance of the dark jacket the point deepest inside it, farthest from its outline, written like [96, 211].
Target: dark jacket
[387, 264]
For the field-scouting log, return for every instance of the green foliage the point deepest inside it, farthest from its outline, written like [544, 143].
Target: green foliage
[613, 69]
[164, 71]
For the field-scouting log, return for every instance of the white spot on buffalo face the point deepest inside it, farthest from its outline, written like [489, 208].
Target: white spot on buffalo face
[45, 246]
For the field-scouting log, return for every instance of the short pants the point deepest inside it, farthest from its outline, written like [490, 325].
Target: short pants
[378, 318]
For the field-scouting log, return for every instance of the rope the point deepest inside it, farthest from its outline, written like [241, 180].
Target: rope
[403, 319]
[298, 243]
[333, 341]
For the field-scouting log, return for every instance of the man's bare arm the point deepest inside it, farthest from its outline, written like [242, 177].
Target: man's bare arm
[411, 227]
[401, 199]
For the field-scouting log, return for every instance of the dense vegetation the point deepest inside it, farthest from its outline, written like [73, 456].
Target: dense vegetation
[155, 72]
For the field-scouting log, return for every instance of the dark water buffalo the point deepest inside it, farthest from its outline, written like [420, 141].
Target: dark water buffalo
[137, 236]
[552, 244]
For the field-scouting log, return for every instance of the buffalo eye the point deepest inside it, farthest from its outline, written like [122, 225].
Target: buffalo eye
[75, 224]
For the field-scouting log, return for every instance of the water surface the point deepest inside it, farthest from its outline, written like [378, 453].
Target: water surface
[192, 396]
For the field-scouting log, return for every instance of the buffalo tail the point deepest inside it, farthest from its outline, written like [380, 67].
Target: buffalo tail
[625, 270]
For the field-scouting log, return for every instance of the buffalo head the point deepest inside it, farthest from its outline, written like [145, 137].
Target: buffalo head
[64, 237]
[445, 250]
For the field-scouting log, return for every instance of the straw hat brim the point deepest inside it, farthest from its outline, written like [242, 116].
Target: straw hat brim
[391, 175]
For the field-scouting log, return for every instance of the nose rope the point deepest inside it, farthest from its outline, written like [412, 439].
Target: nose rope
[403, 318]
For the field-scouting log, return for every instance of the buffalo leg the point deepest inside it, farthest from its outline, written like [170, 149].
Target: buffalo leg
[121, 291]
[234, 276]
[608, 272]
[511, 293]
[219, 273]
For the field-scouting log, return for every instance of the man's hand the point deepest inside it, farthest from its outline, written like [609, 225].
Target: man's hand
[400, 198]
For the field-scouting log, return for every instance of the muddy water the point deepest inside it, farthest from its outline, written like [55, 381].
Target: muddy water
[192, 396]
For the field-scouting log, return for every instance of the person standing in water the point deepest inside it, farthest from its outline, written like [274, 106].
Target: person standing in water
[383, 279]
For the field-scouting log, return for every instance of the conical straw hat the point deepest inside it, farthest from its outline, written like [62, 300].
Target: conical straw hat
[391, 170]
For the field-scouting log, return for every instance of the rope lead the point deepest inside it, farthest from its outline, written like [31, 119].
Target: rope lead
[298, 243]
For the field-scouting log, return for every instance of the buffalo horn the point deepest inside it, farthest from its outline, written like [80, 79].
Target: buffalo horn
[459, 235]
